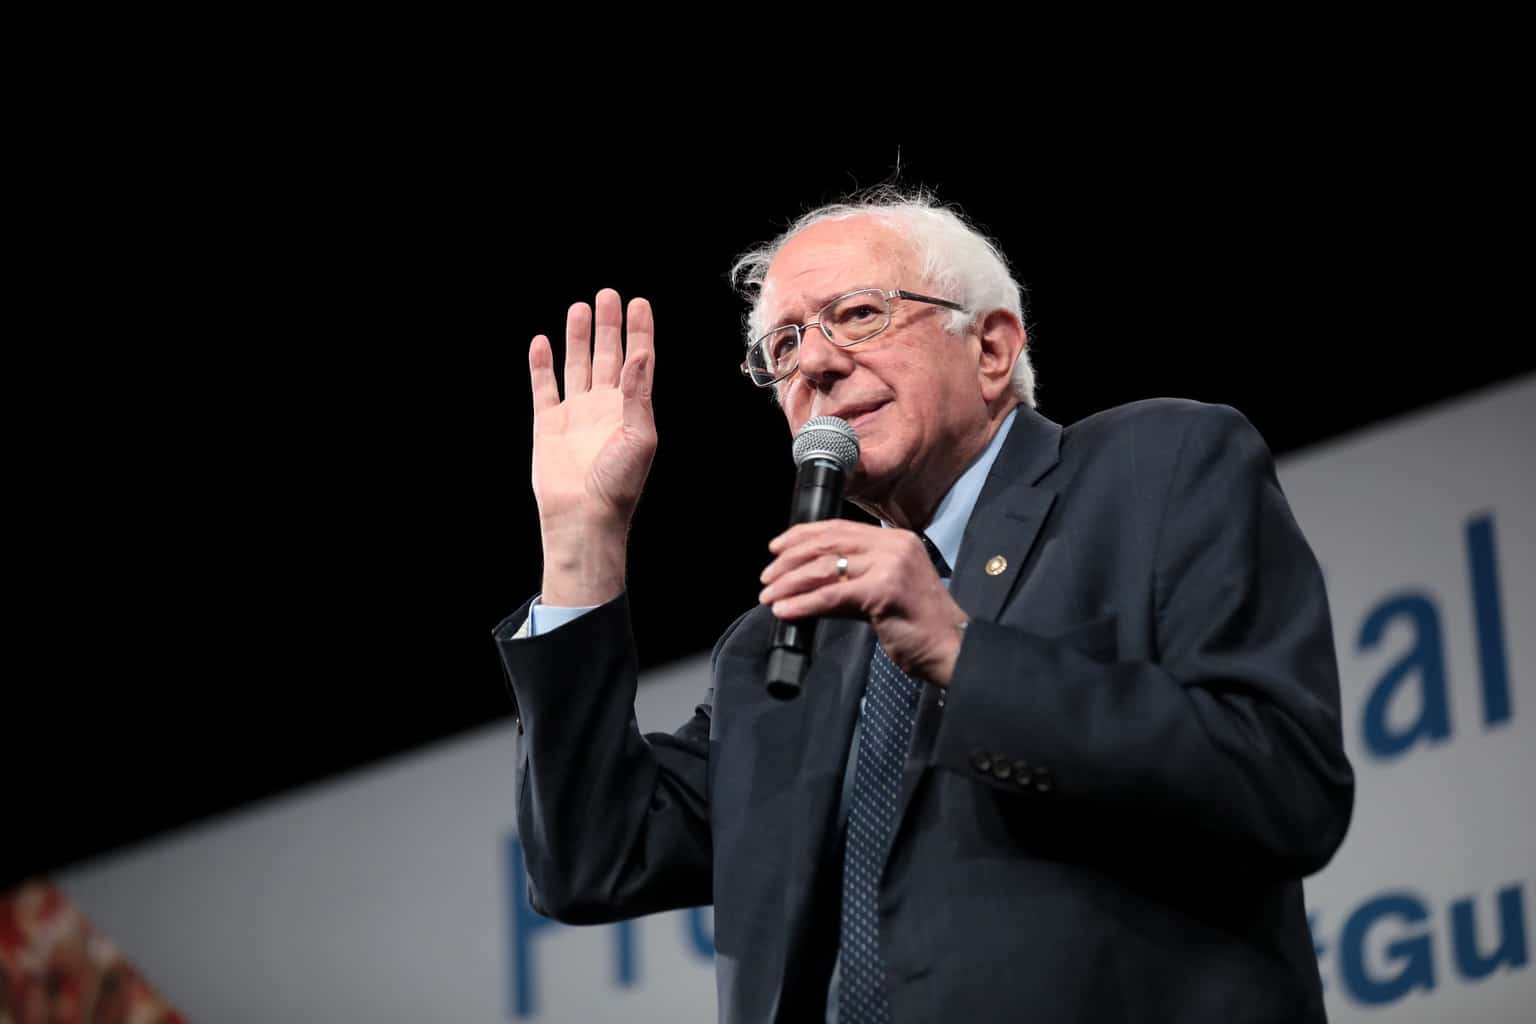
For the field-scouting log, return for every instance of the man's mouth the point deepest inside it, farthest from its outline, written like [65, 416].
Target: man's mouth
[858, 415]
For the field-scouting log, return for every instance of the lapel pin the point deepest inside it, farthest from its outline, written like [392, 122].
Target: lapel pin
[996, 564]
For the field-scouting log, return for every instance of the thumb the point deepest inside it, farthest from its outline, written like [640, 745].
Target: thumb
[634, 382]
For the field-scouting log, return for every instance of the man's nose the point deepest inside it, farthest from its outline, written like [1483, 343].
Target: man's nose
[822, 362]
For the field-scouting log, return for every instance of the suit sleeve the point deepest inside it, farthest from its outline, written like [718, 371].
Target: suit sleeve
[613, 824]
[1229, 735]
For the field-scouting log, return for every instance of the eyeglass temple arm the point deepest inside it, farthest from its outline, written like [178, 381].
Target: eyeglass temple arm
[899, 293]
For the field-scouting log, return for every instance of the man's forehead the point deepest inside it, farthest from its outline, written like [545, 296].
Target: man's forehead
[827, 259]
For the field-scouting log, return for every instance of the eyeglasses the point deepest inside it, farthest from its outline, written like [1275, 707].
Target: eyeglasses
[846, 320]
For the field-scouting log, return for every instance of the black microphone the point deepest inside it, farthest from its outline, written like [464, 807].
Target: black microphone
[826, 450]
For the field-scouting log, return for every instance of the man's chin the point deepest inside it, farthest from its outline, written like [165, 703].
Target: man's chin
[871, 480]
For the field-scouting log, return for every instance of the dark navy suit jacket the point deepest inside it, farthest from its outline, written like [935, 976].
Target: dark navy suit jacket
[1107, 818]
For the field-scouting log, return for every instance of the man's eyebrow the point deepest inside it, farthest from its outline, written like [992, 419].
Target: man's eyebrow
[793, 315]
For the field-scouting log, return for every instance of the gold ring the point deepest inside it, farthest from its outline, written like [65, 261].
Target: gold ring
[842, 568]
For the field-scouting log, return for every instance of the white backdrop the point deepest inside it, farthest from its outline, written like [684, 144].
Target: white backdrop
[394, 893]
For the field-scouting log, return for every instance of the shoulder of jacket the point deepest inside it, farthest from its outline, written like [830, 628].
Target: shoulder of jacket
[1167, 414]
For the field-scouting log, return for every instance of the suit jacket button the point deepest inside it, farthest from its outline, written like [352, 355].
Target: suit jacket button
[1002, 768]
[1043, 780]
[1021, 773]
[981, 760]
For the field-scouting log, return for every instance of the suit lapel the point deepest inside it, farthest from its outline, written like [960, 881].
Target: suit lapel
[1007, 517]
[998, 539]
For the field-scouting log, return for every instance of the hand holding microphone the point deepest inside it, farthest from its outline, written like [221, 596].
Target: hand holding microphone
[826, 450]
[831, 566]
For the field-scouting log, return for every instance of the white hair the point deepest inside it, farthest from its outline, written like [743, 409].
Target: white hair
[956, 261]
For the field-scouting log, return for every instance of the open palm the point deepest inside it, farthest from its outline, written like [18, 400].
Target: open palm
[592, 451]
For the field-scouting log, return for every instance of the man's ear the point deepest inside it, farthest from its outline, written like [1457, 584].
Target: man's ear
[1002, 338]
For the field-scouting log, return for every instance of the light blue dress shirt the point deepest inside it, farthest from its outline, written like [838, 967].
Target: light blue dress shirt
[946, 531]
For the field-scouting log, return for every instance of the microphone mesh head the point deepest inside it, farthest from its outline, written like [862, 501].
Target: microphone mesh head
[827, 437]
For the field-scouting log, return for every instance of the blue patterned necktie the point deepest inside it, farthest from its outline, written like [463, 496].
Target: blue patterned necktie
[885, 724]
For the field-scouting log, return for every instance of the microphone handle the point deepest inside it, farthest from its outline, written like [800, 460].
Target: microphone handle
[818, 496]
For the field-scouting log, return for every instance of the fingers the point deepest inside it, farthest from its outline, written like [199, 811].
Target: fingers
[823, 532]
[838, 535]
[802, 554]
[541, 371]
[607, 346]
[807, 557]
[578, 357]
[807, 543]
[598, 358]
[817, 571]
[813, 595]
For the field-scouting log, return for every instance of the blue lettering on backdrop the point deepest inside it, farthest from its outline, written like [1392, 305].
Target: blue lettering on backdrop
[1425, 660]
[624, 954]
[523, 922]
[1511, 947]
[1412, 957]
[701, 932]
[1409, 956]
[1488, 616]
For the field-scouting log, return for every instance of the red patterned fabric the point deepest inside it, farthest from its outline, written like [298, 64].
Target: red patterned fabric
[55, 969]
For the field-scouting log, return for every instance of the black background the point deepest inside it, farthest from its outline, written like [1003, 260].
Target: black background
[274, 476]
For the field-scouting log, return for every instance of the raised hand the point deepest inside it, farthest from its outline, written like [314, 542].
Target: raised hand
[592, 450]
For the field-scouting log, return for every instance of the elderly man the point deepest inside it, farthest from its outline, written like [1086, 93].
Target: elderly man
[1077, 778]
